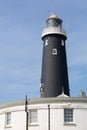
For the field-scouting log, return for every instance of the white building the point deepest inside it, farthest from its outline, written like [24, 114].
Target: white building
[60, 113]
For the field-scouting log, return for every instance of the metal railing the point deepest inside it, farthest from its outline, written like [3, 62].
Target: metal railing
[53, 30]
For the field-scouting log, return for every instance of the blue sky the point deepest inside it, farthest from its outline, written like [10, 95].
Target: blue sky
[21, 25]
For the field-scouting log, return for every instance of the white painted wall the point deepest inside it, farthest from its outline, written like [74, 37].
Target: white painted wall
[18, 116]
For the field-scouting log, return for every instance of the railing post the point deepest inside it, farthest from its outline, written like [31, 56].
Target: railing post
[48, 117]
[26, 110]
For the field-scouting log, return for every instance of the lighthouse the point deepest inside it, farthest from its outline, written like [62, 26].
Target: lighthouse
[54, 75]
[57, 110]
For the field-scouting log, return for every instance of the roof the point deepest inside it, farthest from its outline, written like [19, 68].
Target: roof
[53, 16]
[44, 101]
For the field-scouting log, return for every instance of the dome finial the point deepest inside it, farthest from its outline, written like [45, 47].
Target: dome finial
[52, 15]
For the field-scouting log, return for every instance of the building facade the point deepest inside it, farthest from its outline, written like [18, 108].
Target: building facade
[63, 113]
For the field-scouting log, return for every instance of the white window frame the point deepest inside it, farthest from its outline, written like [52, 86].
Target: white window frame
[62, 42]
[8, 119]
[46, 42]
[68, 115]
[54, 51]
[33, 116]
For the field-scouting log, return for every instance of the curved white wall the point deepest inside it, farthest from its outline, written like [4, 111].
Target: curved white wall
[57, 106]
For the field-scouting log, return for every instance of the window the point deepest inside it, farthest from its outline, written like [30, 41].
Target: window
[62, 42]
[8, 118]
[68, 115]
[46, 42]
[33, 116]
[54, 51]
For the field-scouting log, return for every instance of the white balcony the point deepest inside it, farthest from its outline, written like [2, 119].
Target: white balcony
[53, 30]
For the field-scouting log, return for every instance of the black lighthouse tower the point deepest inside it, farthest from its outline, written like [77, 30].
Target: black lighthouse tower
[54, 76]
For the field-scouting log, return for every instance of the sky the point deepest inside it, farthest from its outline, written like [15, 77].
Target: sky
[21, 25]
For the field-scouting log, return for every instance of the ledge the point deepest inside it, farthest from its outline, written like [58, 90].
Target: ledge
[69, 123]
[44, 101]
[7, 127]
[33, 124]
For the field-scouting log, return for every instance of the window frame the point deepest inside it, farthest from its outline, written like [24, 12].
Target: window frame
[46, 42]
[33, 117]
[54, 51]
[68, 115]
[8, 119]
[62, 42]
